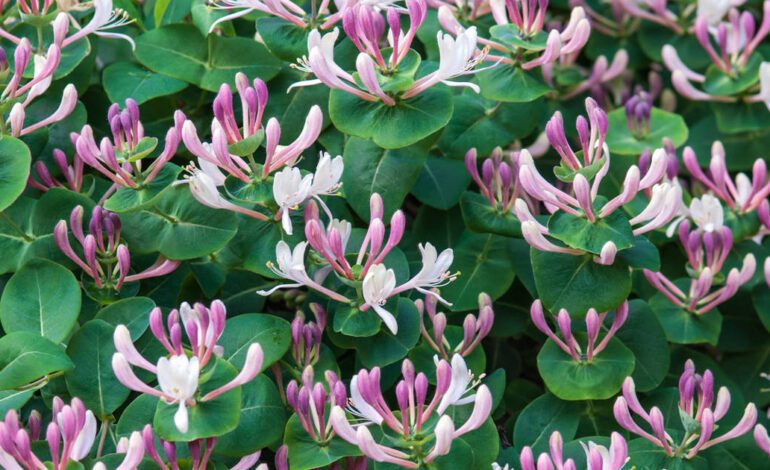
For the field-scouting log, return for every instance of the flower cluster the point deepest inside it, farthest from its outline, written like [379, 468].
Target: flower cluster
[474, 329]
[70, 436]
[364, 27]
[217, 159]
[582, 200]
[106, 260]
[598, 457]
[178, 373]
[374, 281]
[413, 428]
[699, 411]
[707, 248]
[594, 322]
[120, 158]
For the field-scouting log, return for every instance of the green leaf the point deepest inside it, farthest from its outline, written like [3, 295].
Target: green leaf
[123, 80]
[542, 417]
[26, 357]
[484, 125]
[577, 283]
[178, 226]
[211, 418]
[684, 327]
[484, 264]
[350, 321]
[643, 255]
[511, 84]
[582, 234]
[645, 337]
[646, 455]
[133, 312]
[129, 199]
[386, 348]
[43, 298]
[272, 333]
[441, 182]
[13, 400]
[370, 169]
[92, 380]
[305, 453]
[732, 118]
[652, 37]
[510, 35]
[621, 141]
[284, 40]
[263, 418]
[720, 84]
[180, 51]
[14, 169]
[480, 216]
[426, 113]
[599, 379]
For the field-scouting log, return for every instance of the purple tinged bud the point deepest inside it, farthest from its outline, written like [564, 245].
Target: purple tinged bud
[292, 394]
[407, 370]
[527, 459]
[469, 330]
[376, 207]
[35, 425]
[555, 444]
[593, 324]
[53, 436]
[339, 394]
[565, 325]
[443, 377]
[421, 388]
[402, 397]
[303, 401]
[439, 326]
[319, 397]
[282, 458]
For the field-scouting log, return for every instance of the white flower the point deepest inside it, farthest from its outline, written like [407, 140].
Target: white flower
[764, 83]
[291, 265]
[461, 384]
[707, 213]
[715, 10]
[434, 271]
[456, 56]
[178, 379]
[359, 407]
[290, 189]
[40, 87]
[327, 175]
[743, 188]
[378, 286]
[85, 438]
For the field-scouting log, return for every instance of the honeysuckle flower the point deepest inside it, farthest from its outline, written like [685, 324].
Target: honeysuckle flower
[105, 260]
[654, 11]
[203, 187]
[638, 109]
[291, 265]
[309, 401]
[762, 439]
[458, 56]
[601, 458]
[499, 179]
[134, 452]
[364, 26]
[594, 322]
[199, 450]
[706, 253]
[475, 328]
[698, 408]
[72, 173]
[741, 194]
[707, 213]
[377, 287]
[290, 189]
[104, 20]
[715, 10]
[178, 373]
[736, 41]
[554, 458]
[320, 63]
[460, 387]
[306, 336]
[562, 45]
[178, 380]
[70, 436]
[665, 197]
[415, 413]
[378, 282]
[120, 158]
